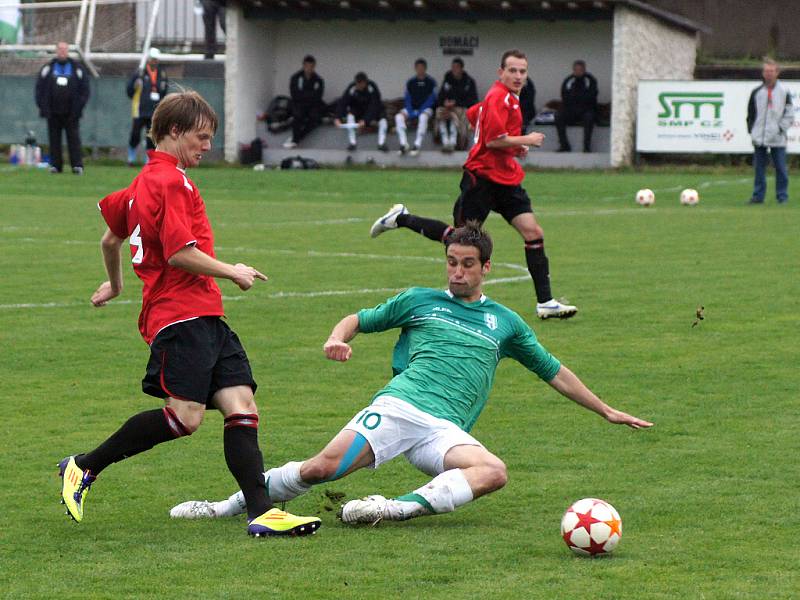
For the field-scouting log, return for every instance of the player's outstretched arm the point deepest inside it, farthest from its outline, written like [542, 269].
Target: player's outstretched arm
[534, 138]
[336, 347]
[568, 384]
[108, 290]
[196, 261]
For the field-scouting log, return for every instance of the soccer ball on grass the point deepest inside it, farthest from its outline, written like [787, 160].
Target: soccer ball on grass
[689, 197]
[591, 527]
[645, 197]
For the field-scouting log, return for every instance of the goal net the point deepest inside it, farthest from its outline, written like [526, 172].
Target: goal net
[95, 30]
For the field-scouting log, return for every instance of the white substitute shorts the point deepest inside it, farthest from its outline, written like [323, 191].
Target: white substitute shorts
[393, 427]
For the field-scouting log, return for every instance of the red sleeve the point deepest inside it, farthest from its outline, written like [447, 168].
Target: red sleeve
[494, 119]
[114, 209]
[175, 229]
[472, 114]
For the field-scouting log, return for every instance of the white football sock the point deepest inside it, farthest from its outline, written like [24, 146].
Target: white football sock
[453, 132]
[283, 484]
[351, 132]
[422, 127]
[443, 494]
[400, 124]
[383, 127]
[443, 133]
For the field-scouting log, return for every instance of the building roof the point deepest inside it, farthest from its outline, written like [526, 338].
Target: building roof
[466, 10]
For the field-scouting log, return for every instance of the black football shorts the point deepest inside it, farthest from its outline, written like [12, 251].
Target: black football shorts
[479, 196]
[194, 359]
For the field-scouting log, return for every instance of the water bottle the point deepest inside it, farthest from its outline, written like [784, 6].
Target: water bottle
[30, 149]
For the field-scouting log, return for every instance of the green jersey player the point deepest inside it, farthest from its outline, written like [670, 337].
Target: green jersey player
[444, 363]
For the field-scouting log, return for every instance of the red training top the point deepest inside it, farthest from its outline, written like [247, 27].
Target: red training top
[162, 212]
[498, 115]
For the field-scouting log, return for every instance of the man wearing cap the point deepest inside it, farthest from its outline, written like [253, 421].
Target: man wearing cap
[62, 90]
[145, 89]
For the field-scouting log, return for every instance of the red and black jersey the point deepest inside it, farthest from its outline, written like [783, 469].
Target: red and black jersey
[499, 115]
[162, 212]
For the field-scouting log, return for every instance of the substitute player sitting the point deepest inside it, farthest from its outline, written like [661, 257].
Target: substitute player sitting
[450, 344]
[196, 361]
[492, 181]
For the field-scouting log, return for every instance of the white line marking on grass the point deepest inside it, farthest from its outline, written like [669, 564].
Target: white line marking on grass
[272, 296]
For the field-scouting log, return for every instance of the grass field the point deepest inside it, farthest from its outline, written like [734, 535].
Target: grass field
[708, 497]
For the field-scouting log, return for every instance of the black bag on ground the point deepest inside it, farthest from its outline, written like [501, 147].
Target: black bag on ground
[299, 162]
[250, 154]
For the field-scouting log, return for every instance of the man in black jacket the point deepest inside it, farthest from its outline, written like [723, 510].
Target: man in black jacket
[145, 89]
[457, 94]
[360, 106]
[579, 106]
[306, 89]
[527, 104]
[62, 90]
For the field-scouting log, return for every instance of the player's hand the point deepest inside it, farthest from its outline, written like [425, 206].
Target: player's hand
[523, 151]
[620, 418]
[103, 294]
[361, 124]
[138, 83]
[244, 276]
[535, 138]
[337, 122]
[337, 350]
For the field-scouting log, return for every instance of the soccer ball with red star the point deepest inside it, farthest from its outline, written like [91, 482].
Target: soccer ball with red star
[591, 527]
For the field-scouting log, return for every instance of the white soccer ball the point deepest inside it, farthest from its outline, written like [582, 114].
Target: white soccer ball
[591, 527]
[645, 197]
[689, 197]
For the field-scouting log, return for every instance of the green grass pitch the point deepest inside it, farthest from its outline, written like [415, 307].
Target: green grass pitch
[708, 497]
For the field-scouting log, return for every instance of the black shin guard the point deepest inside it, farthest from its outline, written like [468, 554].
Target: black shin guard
[539, 268]
[430, 228]
[245, 462]
[139, 433]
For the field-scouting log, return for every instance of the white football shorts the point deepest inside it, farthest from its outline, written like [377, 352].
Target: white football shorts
[393, 427]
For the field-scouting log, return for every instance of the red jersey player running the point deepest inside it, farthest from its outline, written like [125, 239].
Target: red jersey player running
[491, 181]
[196, 361]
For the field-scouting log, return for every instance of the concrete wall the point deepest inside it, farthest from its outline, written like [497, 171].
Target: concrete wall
[262, 55]
[644, 48]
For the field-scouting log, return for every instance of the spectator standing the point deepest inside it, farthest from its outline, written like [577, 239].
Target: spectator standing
[769, 115]
[578, 106]
[527, 104]
[62, 91]
[306, 89]
[457, 94]
[213, 10]
[145, 89]
[360, 106]
[419, 100]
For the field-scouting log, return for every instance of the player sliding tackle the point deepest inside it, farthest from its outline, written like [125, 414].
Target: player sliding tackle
[445, 361]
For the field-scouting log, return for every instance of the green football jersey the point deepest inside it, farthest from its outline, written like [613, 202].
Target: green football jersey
[445, 359]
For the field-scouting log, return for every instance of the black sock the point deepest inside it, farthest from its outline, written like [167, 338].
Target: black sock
[139, 433]
[430, 228]
[539, 268]
[245, 461]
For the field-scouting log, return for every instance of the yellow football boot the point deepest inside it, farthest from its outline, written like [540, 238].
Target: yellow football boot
[278, 522]
[75, 484]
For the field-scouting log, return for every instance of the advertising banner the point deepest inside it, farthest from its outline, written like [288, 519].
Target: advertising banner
[702, 116]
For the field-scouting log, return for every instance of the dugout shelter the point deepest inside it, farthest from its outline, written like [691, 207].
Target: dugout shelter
[622, 42]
